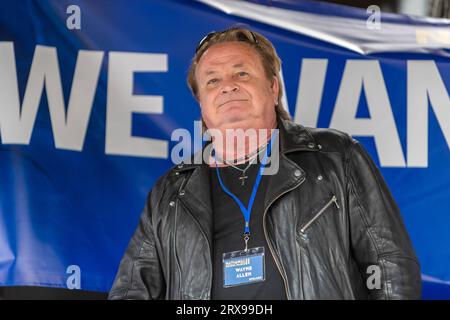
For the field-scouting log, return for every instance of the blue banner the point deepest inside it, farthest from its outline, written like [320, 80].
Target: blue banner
[91, 91]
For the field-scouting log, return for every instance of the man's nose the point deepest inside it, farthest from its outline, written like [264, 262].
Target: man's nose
[229, 86]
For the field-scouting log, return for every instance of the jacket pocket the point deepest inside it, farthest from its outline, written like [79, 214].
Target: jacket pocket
[319, 214]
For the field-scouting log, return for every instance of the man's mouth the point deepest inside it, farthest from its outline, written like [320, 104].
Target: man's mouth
[233, 100]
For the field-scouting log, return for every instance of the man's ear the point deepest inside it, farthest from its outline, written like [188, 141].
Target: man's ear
[275, 87]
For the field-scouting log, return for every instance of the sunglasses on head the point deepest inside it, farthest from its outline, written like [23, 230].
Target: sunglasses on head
[213, 33]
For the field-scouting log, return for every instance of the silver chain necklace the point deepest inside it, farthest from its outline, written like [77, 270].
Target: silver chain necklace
[243, 177]
[246, 157]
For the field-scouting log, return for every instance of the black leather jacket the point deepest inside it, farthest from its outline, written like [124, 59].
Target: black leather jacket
[329, 217]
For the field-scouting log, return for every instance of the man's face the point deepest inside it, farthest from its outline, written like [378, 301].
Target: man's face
[233, 89]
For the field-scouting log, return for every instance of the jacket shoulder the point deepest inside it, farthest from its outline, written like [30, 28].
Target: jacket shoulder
[156, 193]
[331, 140]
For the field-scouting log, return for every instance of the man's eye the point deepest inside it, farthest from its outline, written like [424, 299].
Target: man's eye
[212, 81]
[242, 74]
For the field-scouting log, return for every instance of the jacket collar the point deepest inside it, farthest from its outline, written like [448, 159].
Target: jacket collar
[295, 137]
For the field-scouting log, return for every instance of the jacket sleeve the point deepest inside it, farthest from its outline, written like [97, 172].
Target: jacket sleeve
[380, 243]
[140, 275]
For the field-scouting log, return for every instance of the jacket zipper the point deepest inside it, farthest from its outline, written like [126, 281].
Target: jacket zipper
[306, 226]
[175, 247]
[175, 234]
[282, 272]
[189, 210]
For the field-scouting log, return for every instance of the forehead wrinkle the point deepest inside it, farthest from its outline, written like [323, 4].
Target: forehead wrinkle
[235, 66]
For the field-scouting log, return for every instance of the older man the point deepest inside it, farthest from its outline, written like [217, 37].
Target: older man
[322, 226]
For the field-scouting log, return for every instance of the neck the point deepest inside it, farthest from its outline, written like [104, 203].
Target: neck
[240, 146]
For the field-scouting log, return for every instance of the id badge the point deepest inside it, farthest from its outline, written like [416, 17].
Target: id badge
[243, 267]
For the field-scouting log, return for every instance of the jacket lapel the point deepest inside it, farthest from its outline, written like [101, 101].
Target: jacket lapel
[293, 137]
[197, 199]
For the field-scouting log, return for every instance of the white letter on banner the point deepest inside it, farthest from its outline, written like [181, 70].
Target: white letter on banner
[284, 96]
[17, 124]
[122, 103]
[425, 82]
[381, 125]
[310, 89]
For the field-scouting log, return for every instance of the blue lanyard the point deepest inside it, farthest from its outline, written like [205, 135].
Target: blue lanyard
[246, 211]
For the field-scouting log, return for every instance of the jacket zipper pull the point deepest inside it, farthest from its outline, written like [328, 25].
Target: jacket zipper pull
[335, 202]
